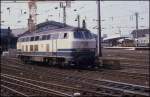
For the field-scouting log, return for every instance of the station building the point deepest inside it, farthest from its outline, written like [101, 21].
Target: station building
[141, 37]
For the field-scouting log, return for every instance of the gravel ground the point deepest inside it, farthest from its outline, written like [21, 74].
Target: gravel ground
[135, 70]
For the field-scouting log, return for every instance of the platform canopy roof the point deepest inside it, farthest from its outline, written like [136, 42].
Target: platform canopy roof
[114, 37]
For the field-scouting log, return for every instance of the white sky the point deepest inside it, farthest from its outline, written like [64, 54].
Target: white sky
[121, 11]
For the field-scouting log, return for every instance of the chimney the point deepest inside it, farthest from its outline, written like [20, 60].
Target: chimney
[84, 24]
[30, 24]
[8, 28]
[78, 17]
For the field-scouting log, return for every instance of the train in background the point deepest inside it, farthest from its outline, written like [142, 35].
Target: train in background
[64, 46]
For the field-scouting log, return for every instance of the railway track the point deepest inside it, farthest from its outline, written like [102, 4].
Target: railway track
[6, 91]
[134, 75]
[105, 84]
[46, 86]
[127, 66]
[83, 88]
[140, 75]
[27, 89]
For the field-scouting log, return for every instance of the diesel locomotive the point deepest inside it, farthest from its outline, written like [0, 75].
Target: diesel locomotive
[64, 46]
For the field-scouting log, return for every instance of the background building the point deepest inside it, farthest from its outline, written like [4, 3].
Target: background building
[46, 26]
[141, 37]
[8, 40]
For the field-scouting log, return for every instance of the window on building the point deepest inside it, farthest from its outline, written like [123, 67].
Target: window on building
[32, 39]
[36, 38]
[44, 37]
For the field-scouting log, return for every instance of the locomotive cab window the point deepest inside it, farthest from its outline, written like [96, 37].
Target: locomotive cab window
[87, 35]
[78, 35]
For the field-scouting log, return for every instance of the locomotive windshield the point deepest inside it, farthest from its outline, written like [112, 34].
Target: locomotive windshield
[78, 35]
[87, 35]
[82, 35]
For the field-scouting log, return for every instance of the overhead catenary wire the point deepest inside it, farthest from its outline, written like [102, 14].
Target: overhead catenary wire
[114, 17]
[123, 17]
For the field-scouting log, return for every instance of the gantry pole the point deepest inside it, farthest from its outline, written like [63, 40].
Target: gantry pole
[136, 15]
[99, 50]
